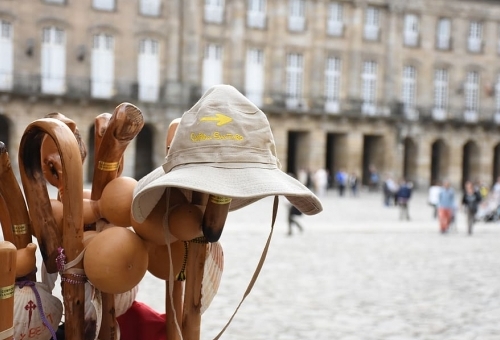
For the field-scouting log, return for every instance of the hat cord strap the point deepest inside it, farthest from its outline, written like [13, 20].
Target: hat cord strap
[257, 269]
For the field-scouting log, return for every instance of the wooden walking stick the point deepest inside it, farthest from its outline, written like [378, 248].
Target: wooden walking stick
[67, 258]
[14, 202]
[124, 125]
[8, 257]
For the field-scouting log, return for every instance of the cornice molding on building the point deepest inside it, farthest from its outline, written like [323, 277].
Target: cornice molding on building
[140, 33]
[54, 21]
[7, 16]
[104, 28]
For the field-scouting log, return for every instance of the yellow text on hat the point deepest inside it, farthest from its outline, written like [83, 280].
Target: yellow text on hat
[219, 118]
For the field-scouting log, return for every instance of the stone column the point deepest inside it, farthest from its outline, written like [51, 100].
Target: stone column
[353, 154]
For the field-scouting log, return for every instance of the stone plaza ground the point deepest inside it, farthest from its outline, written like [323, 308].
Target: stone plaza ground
[355, 273]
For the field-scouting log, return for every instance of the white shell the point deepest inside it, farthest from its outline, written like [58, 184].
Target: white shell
[212, 273]
[123, 301]
[28, 323]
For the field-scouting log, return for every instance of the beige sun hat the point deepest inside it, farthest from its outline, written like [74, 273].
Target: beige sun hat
[223, 146]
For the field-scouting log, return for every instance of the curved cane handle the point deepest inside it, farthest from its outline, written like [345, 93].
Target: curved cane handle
[44, 224]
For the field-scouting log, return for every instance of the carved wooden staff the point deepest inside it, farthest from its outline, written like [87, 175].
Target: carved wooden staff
[44, 225]
[14, 202]
[174, 315]
[8, 257]
[124, 125]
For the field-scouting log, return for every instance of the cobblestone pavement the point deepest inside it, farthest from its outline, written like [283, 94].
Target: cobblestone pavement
[356, 272]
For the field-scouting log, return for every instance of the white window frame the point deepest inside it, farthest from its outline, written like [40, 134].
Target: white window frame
[148, 70]
[443, 34]
[254, 76]
[411, 30]
[102, 66]
[55, 1]
[471, 95]
[369, 87]
[256, 13]
[333, 73]
[212, 66]
[335, 23]
[409, 91]
[150, 7]
[441, 89]
[53, 71]
[371, 28]
[297, 15]
[7, 55]
[475, 38]
[214, 11]
[294, 80]
[104, 5]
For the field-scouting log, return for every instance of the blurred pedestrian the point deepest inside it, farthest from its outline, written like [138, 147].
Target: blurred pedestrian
[293, 212]
[320, 180]
[446, 206]
[403, 196]
[353, 183]
[374, 179]
[470, 202]
[341, 180]
[433, 197]
[389, 189]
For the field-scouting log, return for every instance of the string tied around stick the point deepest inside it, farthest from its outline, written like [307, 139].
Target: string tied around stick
[67, 269]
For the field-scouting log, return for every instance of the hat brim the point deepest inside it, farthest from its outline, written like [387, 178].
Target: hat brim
[243, 185]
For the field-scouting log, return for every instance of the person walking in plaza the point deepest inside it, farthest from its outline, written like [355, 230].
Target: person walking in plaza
[341, 180]
[470, 202]
[293, 212]
[403, 197]
[353, 183]
[446, 206]
[433, 197]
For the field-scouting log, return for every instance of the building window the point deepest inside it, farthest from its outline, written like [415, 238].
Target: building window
[443, 34]
[212, 66]
[214, 11]
[254, 76]
[294, 79]
[7, 55]
[475, 40]
[150, 7]
[105, 5]
[440, 94]
[149, 70]
[53, 61]
[256, 14]
[297, 15]
[332, 84]
[372, 23]
[55, 1]
[409, 91]
[411, 28]
[369, 87]
[335, 23]
[103, 66]
[471, 91]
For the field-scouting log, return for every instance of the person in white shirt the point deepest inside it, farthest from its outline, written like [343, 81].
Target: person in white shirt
[433, 199]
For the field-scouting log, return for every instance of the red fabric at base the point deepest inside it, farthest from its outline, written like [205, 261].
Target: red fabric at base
[140, 322]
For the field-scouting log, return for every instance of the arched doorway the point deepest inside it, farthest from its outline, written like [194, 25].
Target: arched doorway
[336, 154]
[144, 152]
[470, 162]
[5, 132]
[439, 161]
[410, 159]
[373, 156]
[496, 163]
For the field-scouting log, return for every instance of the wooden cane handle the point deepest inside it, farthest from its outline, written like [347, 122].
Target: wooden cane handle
[44, 225]
[101, 125]
[7, 278]
[14, 201]
[124, 125]
[215, 216]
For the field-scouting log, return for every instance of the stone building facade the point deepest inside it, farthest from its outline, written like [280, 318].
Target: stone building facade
[409, 87]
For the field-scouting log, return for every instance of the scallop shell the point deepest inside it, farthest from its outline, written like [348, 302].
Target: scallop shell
[212, 273]
[28, 323]
[93, 302]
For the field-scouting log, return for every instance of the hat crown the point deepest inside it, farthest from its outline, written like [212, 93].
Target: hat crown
[225, 129]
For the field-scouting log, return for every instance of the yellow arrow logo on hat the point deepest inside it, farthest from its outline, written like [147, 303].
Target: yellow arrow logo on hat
[219, 118]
